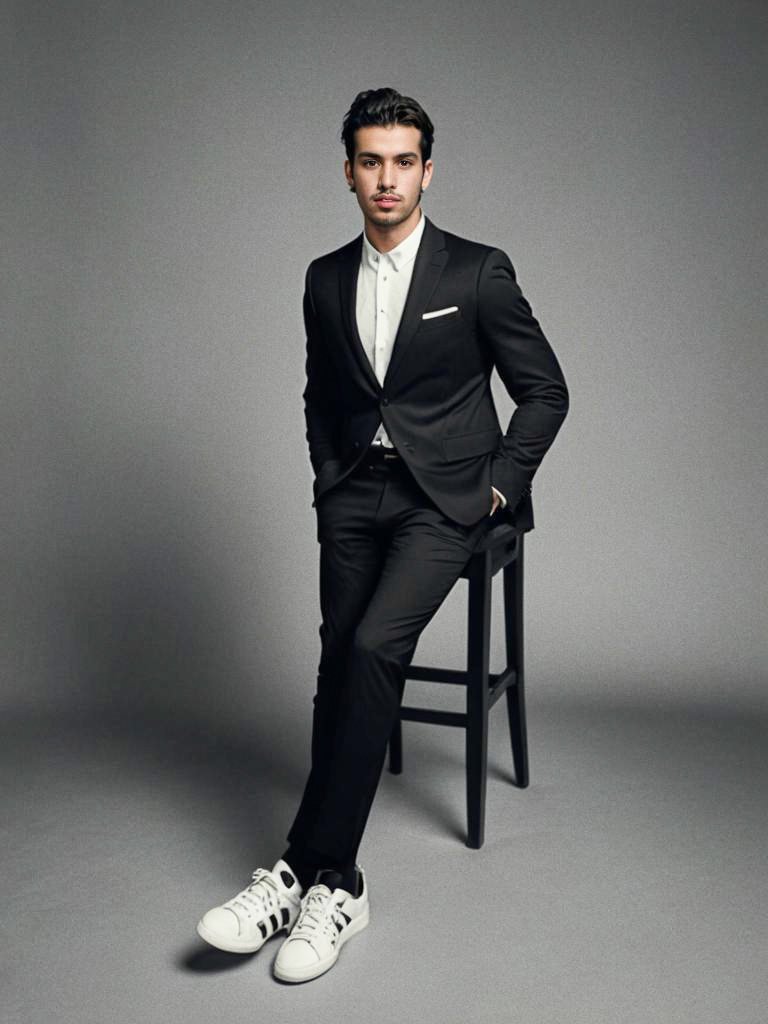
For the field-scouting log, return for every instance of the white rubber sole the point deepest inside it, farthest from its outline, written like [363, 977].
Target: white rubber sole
[229, 945]
[315, 970]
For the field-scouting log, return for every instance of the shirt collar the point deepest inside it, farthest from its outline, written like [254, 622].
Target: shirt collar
[402, 254]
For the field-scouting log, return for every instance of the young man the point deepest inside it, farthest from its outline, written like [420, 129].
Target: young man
[404, 325]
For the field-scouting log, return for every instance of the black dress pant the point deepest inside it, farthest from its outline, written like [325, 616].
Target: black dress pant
[388, 559]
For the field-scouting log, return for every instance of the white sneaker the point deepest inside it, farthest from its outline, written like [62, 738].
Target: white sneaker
[327, 919]
[269, 904]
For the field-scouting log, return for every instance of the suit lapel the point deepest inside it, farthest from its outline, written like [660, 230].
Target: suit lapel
[431, 258]
[348, 269]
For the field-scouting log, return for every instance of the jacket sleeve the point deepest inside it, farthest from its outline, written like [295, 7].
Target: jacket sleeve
[320, 409]
[529, 371]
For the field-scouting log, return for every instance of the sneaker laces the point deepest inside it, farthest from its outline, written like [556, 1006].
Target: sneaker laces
[261, 894]
[318, 914]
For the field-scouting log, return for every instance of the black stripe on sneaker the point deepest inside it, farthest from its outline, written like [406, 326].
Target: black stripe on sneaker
[263, 930]
[339, 925]
[346, 917]
[285, 915]
[273, 921]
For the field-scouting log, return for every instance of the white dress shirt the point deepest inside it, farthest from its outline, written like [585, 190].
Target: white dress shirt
[382, 287]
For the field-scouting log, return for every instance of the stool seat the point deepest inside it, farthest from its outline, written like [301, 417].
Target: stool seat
[494, 535]
[499, 549]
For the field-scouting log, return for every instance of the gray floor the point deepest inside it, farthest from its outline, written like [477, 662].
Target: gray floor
[627, 884]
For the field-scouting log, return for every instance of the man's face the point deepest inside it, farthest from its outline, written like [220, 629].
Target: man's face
[388, 164]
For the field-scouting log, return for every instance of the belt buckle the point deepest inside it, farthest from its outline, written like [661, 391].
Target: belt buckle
[381, 451]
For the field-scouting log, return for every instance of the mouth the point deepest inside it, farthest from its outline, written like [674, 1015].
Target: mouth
[386, 201]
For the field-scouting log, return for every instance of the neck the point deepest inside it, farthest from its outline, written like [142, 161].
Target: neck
[386, 237]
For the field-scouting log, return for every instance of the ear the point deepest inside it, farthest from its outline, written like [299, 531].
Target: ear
[348, 173]
[427, 175]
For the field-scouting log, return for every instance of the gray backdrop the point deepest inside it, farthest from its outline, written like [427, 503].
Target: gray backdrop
[173, 169]
[169, 171]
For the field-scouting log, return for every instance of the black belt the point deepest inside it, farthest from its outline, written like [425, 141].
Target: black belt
[382, 452]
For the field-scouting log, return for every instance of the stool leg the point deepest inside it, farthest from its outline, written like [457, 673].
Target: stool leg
[396, 748]
[515, 695]
[478, 663]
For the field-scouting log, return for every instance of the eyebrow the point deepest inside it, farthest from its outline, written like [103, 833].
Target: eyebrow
[378, 155]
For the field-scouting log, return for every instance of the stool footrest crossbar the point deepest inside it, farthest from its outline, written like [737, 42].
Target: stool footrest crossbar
[434, 716]
[499, 681]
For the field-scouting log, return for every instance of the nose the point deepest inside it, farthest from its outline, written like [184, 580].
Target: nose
[386, 179]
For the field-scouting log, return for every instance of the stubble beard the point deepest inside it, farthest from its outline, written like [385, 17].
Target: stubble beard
[390, 220]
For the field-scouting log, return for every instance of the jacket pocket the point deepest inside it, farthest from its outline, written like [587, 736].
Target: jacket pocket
[445, 320]
[478, 442]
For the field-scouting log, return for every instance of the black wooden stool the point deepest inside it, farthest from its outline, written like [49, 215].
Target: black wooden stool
[501, 548]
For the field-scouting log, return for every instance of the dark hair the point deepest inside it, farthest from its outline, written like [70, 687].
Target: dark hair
[386, 106]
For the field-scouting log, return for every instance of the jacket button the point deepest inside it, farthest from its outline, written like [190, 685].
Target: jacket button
[356, 444]
[385, 401]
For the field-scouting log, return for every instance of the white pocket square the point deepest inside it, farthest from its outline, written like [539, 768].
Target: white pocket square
[439, 312]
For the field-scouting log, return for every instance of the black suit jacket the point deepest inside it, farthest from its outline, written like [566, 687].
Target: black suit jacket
[436, 401]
